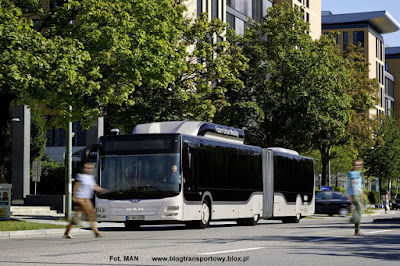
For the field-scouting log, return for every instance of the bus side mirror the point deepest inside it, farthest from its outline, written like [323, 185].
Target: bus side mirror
[86, 155]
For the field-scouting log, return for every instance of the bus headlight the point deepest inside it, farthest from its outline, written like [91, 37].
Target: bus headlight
[171, 214]
[173, 208]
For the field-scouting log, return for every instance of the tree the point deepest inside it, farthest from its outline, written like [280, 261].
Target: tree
[17, 43]
[124, 43]
[381, 159]
[364, 92]
[209, 65]
[295, 92]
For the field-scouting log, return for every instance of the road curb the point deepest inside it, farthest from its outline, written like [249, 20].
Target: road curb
[387, 220]
[40, 233]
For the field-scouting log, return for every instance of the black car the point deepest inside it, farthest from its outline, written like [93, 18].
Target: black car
[328, 202]
[396, 202]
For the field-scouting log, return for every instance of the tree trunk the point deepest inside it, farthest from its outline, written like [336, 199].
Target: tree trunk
[324, 160]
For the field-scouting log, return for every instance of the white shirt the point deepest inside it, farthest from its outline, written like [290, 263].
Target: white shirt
[85, 187]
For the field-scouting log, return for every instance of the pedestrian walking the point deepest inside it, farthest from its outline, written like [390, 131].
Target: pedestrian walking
[354, 190]
[84, 186]
[386, 202]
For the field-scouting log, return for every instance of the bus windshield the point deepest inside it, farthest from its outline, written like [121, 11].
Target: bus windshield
[142, 171]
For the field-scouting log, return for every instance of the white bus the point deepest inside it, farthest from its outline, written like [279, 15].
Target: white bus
[197, 172]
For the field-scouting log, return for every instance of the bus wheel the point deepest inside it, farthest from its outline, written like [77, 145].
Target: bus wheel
[252, 221]
[131, 226]
[241, 222]
[205, 214]
[296, 219]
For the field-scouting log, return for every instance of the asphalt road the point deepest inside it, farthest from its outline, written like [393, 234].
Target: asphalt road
[320, 240]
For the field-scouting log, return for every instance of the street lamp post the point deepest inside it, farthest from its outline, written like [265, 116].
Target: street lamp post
[68, 172]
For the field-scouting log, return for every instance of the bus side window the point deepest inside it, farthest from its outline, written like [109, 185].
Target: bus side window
[187, 169]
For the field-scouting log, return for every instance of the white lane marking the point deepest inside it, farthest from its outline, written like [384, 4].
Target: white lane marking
[230, 251]
[375, 232]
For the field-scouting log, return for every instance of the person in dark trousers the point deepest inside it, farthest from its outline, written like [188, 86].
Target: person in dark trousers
[84, 186]
[354, 190]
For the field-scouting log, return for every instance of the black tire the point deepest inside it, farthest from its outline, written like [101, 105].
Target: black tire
[241, 222]
[252, 221]
[294, 219]
[132, 226]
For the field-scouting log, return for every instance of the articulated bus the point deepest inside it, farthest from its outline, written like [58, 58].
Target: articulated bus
[196, 172]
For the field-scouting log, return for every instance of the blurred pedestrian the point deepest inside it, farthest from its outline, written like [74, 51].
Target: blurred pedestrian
[354, 190]
[84, 186]
[386, 201]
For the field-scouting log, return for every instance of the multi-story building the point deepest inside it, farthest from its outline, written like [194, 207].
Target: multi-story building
[365, 28]
[392, 66]
[235, 12]
[312, 13]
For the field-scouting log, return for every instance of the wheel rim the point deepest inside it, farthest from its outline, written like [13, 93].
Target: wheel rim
[343, 212]
[255, 217]
[205, 213]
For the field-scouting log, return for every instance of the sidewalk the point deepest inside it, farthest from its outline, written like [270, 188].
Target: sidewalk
[51, 219]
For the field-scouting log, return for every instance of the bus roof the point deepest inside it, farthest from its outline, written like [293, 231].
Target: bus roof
[193, 128]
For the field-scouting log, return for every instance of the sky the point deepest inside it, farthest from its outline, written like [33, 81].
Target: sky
[356, 6]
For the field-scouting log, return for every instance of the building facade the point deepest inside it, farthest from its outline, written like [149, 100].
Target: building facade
[312, 14]
[392, 66]
[365, 28]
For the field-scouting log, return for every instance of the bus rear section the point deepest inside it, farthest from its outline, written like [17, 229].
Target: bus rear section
[288, 180]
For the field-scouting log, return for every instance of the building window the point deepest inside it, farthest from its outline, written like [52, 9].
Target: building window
[358, 37]
[345, 40]
[377, 48]
[199, 7]
[214, 9]
[257, 10]
[378, 77]
[381, 50]
[387, 66]
[307, 3]
[229, 3]
[230, 19]
[56, 136]
[389, 88]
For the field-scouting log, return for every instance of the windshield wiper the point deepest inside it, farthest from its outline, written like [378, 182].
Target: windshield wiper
[148, 187]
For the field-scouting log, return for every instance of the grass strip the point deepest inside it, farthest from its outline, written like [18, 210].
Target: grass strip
[17, 225]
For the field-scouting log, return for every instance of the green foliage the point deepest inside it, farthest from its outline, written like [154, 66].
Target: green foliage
[340, 189]
[209, 65]
[366, 198]
[382, 160]
[364, 92]
[16, 57]
[16, 225]
[373, 196]
[38, 133]
[52, 180]
[112, 49]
